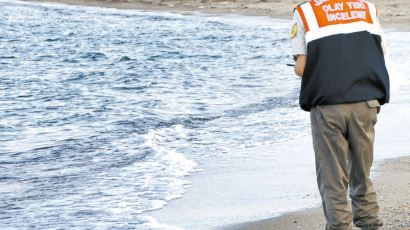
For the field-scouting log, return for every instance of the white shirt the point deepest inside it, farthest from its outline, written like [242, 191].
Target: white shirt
[298, 41]
[299, 46]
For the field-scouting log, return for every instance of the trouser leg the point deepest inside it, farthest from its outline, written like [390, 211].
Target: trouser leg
[331, 156]
[361, 139]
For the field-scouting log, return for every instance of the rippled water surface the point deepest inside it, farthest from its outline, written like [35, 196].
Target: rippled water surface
[104, 112]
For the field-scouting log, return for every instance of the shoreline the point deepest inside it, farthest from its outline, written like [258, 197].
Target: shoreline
[393, 14]
[240, 194]
[307, 218]
[390, 174]
[392, 189]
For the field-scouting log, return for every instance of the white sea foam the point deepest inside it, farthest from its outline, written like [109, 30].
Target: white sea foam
[230, 110]
[153, 224]
[264, 180]
[176, 163]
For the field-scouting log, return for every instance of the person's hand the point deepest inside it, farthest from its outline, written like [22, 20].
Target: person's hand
[300, 64]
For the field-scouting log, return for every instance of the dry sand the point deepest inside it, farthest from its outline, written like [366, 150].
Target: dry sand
[392, 13]
[392, 182]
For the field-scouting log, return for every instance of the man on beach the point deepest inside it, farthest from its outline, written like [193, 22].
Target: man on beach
[339, 50]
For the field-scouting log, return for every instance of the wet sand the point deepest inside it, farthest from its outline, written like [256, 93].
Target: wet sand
[392, 183]
[392, 180]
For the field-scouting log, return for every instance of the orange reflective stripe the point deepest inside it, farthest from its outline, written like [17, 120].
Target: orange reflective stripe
[302, 16]
[341, 12]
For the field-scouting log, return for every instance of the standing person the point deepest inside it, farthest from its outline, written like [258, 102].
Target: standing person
[339, 51]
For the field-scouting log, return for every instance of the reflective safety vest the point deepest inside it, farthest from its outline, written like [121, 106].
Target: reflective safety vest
[345, 61]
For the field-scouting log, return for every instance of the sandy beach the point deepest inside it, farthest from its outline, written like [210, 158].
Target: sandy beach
[392, 185]
[216, 193]
[392, 179]
[392, 14]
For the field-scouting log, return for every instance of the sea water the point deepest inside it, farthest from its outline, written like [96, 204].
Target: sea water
[104, 112]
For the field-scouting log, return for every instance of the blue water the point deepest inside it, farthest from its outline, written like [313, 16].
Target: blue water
[104, 113]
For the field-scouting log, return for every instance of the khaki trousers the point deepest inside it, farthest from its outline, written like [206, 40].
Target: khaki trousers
[343, 137]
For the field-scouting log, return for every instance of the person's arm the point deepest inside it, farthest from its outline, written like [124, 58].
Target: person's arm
[300, 65]
[383, 42]
[298, 44]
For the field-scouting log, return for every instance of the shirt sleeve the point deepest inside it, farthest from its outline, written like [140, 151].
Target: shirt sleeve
[384, 47]
[298, 41]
